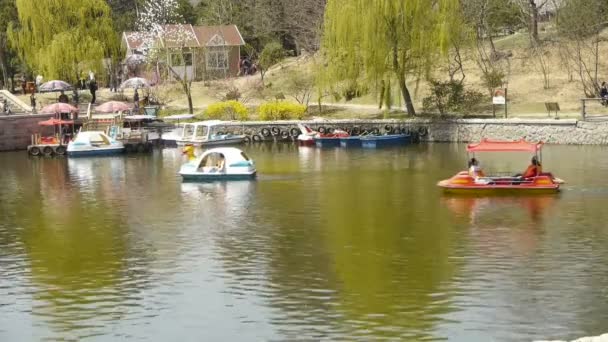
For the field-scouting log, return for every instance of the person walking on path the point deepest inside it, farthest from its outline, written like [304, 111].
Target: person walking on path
[23, 84]
[93, 89]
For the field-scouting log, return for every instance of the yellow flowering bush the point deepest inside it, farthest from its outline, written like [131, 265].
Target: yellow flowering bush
[227, 110]
[280, 110]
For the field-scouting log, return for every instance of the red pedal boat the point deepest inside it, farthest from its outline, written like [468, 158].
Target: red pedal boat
[467, 183]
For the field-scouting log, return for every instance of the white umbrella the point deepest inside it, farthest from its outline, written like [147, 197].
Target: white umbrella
[135, 82]
[54, 85]
[135, 59]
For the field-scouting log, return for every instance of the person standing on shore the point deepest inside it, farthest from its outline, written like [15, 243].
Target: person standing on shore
[33, 101]
[136, 100]
[39, 79]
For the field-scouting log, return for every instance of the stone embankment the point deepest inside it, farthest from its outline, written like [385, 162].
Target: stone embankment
[552, 131]
[602, 338]
[15, 130]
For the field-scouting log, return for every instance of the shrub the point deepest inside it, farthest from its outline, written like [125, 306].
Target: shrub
[227, 110]
[451, 96]
[279, 110]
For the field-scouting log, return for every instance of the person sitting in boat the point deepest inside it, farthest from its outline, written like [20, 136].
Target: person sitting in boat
[474, 169]
[221, 162]
[189, 151]
[477, 173]
[533, 170]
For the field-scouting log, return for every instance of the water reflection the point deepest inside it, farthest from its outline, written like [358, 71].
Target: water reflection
[325, 244]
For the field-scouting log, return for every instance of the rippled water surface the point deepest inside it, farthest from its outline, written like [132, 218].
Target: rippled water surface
[324, 245]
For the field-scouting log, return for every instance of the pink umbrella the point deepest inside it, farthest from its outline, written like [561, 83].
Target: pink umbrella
[59, 107]
[112, 107]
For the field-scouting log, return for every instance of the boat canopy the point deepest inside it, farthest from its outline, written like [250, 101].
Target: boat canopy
[140, 117]
[208, 123]
[179, 117]
[55, 122]
[487, 145]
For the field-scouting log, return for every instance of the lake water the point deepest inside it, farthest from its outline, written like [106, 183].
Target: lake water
[325, 245]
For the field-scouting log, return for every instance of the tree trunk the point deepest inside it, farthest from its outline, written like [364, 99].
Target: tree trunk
[534, 20]
[407, 98]
[380, 102]
[187, 90]
[409, 105]
[3, 67]
[492, 46]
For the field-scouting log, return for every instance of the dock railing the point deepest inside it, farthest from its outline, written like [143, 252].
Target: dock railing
[584, 114]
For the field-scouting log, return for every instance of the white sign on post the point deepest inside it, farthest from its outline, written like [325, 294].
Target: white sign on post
[499, 97]
[499, 100]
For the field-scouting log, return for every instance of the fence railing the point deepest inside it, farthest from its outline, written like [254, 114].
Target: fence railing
[584, 104]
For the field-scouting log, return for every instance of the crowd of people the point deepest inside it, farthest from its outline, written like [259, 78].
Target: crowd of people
[247, 67]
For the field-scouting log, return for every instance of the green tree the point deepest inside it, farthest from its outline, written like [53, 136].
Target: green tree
[63, 38]
[374, 39]
[580, 25]
[8, 60]
[272, 54]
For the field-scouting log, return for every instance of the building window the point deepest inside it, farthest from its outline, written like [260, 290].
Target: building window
[177, 59]
[217, 59]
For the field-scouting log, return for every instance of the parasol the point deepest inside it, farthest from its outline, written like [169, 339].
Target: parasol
[112, 107]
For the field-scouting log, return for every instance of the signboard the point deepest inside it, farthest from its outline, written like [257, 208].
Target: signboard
[499, 100]
[499, 97]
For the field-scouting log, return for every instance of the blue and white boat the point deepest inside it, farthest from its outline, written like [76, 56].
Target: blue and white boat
[352, 141]
[204, 133]
[94, 143]
[374, 141]
[225, 163]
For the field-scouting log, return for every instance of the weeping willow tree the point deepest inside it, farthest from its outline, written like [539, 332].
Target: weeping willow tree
[372, 40]
[62, 39]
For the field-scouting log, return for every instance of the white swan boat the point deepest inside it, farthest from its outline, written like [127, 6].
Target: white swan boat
[94, 143]
[225, 163]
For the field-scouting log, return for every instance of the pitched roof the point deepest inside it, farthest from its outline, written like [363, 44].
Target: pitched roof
[196, 36]
[175, 35]
[219, 35]
[134, 40]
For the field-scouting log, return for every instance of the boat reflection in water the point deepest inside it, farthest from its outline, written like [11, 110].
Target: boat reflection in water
[504, 225]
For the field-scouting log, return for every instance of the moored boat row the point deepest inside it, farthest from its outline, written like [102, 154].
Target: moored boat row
[340, 138]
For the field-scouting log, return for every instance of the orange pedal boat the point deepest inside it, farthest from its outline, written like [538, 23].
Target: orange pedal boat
[465, 183]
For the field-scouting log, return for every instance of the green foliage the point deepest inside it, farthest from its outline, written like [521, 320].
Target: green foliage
[280, 110]
[579, 19]
[82, 29]
[8, 61]
[227, 110]
[451, 96]
[491, 16]
[377, 39]
[272, 54]
[388, 96]
[354, 90]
